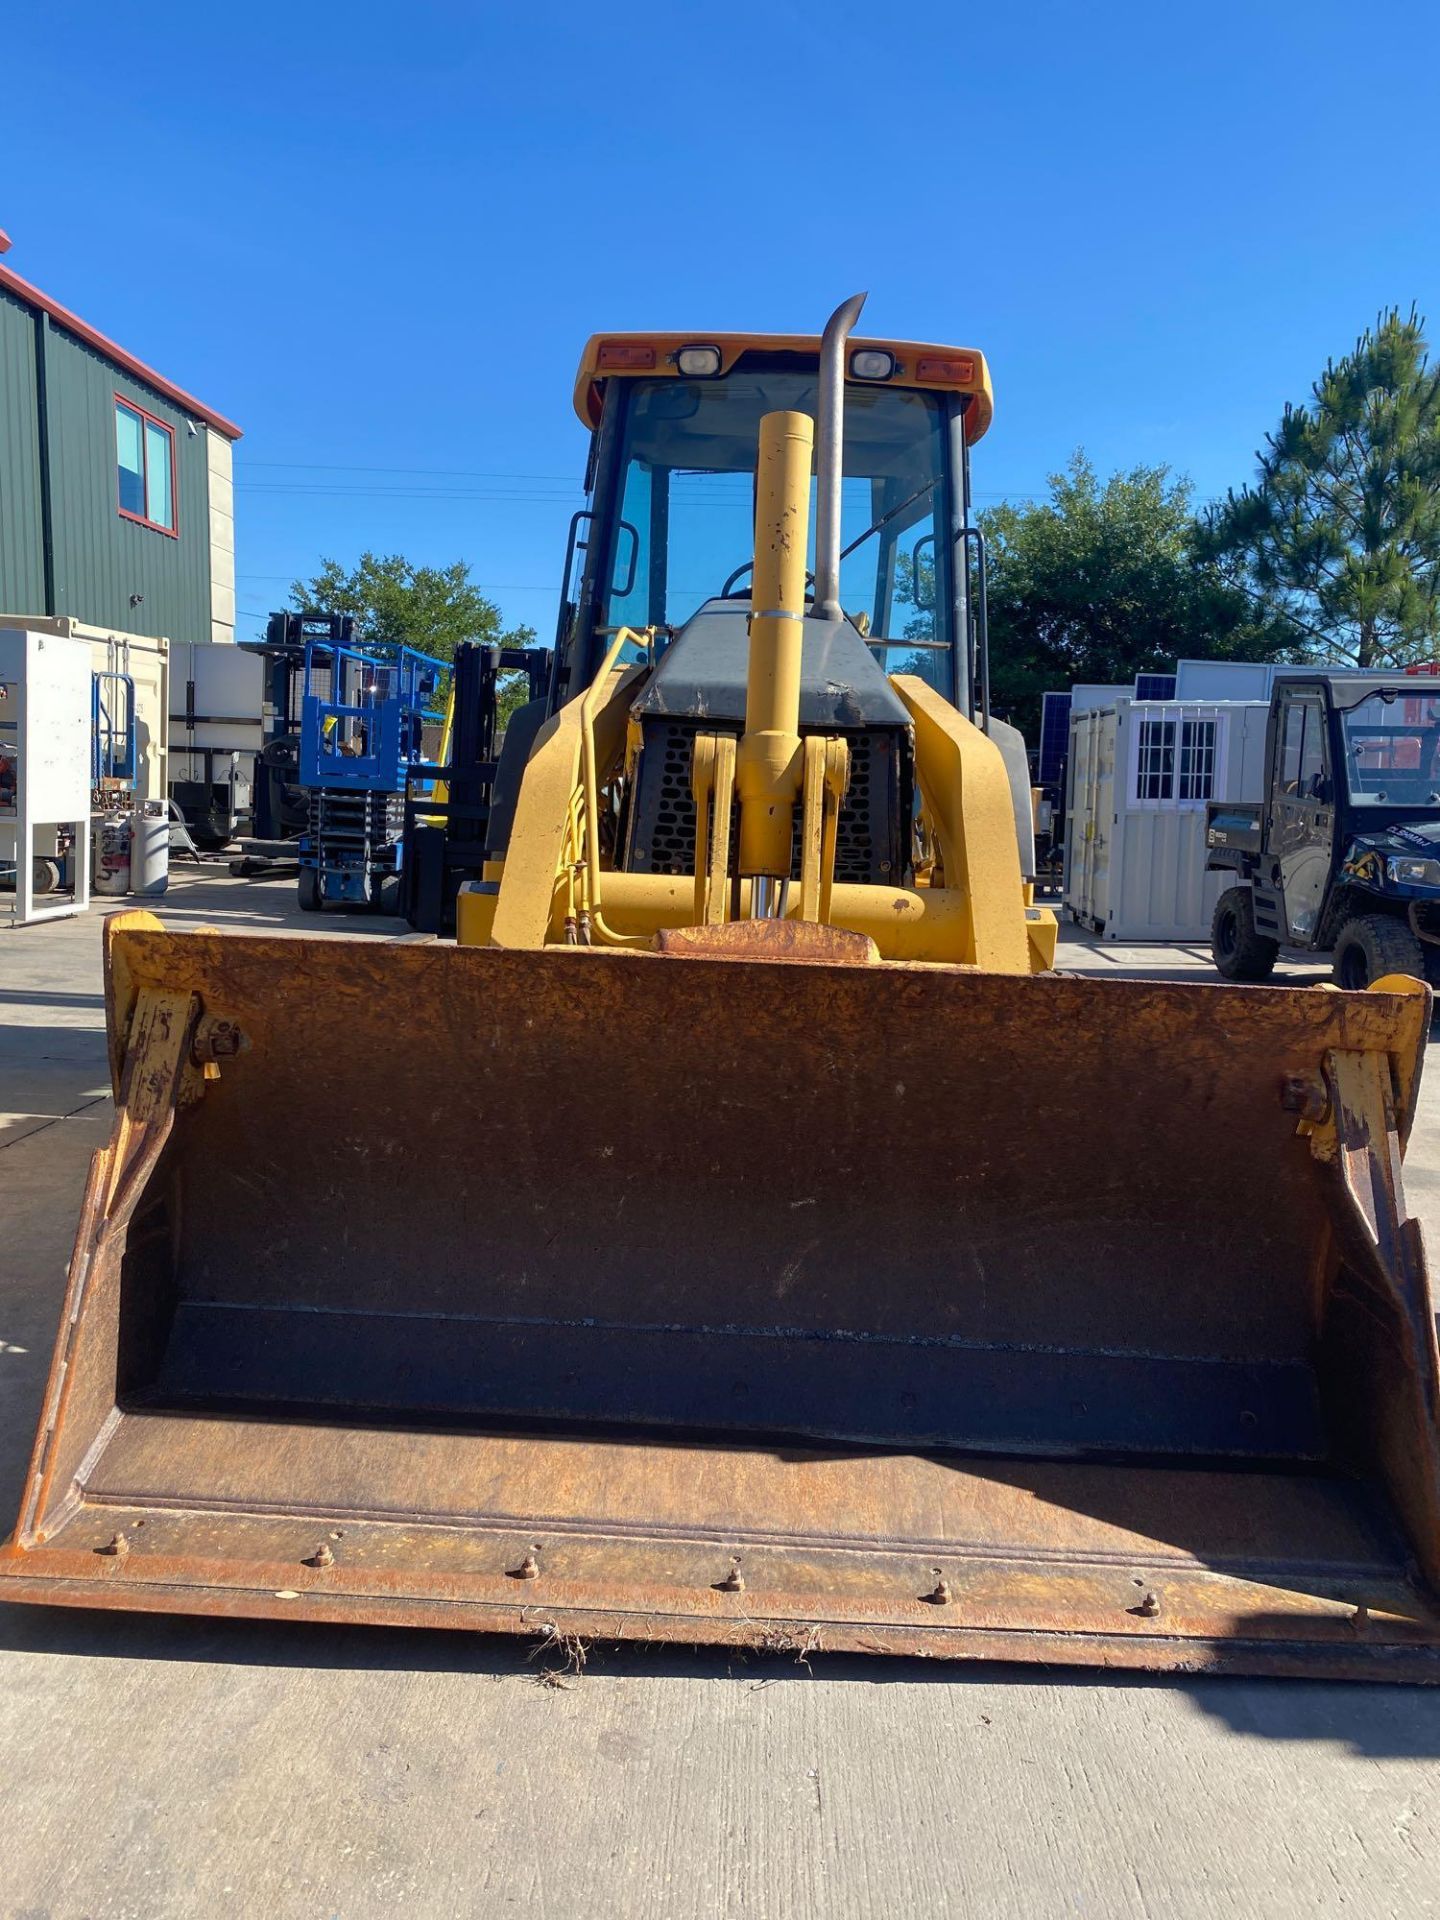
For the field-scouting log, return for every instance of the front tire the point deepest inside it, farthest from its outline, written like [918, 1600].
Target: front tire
[1372, 945]
[1239, 952]
[309, 890]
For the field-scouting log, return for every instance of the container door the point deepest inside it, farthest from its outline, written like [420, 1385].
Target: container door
[1080, 816]
[1107, 731]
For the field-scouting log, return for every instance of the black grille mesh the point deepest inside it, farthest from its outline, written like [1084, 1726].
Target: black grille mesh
[672, 838]
[672, 845]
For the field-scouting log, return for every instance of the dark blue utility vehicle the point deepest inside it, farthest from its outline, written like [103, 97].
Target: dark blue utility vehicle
[1341, 855]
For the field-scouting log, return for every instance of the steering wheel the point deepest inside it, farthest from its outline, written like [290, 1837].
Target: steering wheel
[727, 592]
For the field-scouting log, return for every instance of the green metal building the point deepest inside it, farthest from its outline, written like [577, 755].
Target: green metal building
[116, 490]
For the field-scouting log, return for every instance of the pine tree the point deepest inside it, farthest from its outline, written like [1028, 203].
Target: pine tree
[1340, 534]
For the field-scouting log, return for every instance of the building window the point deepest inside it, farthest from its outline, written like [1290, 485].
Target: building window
[1177, 760]
[145, 467]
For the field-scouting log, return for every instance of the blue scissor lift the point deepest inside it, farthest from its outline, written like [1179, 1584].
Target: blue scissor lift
[363, 711]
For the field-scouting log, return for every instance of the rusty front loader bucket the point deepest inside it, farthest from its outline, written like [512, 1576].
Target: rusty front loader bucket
[834, 1306]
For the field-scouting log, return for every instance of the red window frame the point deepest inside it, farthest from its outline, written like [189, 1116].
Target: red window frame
[141, 519]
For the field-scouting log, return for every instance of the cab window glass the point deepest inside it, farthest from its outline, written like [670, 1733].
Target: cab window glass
[1291, 743]
[1391, 748]
[688, 493]
[1312, 752]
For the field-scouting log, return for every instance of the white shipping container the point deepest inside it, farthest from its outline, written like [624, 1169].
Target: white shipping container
[1140, 774]
[1223, 679]
[1239, 679]
[1087, 694]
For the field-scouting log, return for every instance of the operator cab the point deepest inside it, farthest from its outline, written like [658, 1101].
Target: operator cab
[671, 522]
[664, 548]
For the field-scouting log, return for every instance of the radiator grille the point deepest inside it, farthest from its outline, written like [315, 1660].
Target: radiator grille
[663, 821]
[672, 842]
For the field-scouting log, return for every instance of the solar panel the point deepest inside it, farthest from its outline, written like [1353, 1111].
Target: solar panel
[1054, 738]
[1155, 686]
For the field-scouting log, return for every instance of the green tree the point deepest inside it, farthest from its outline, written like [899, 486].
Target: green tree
[1340, 533]
[429, 608]
[1100, 581]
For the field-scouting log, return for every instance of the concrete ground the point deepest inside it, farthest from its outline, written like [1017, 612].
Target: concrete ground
[156, 1767]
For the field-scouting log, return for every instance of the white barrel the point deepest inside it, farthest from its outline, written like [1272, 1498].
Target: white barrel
[150, 848]
[110, 853]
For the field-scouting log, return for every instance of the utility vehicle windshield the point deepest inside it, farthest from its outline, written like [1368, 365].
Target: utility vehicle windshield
[687, 507]
[1392, 747]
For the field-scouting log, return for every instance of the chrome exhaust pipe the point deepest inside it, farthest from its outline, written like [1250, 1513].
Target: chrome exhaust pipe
[829, 453]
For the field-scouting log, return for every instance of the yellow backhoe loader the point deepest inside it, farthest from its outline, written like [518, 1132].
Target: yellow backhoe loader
[740, 1234]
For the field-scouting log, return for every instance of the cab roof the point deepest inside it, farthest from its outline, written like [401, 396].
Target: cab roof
[650, 356]
[1350, 688]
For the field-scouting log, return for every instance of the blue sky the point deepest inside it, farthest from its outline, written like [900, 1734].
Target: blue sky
[377, 235]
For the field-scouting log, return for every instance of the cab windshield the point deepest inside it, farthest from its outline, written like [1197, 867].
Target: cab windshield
[1392, 747]
[687, 507]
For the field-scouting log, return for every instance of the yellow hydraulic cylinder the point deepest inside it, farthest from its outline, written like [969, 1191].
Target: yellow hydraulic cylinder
[768, 762]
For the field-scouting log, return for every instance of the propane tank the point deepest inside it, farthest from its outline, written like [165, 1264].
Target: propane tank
[150, 848]
[110, 853]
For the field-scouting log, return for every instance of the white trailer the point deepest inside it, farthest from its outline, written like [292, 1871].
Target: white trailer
[1139, 775]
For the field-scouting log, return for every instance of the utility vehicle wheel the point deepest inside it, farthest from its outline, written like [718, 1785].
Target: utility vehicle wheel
[1239, 952]
[44, 876]
[1373, 945]
[309, 890]
[386, 896]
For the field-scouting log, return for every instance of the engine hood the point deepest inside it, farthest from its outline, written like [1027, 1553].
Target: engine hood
[701, 675]
[1420, 836]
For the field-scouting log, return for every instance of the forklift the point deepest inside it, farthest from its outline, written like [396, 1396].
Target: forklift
[280, 804]
[450, 802]
[1341, 856]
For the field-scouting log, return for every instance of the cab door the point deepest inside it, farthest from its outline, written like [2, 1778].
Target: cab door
[1302, 810]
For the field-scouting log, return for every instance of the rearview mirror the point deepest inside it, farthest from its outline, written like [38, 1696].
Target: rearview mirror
[670, 403]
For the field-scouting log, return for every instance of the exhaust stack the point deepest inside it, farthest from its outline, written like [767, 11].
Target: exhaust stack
[829, 455]
[768, 765]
